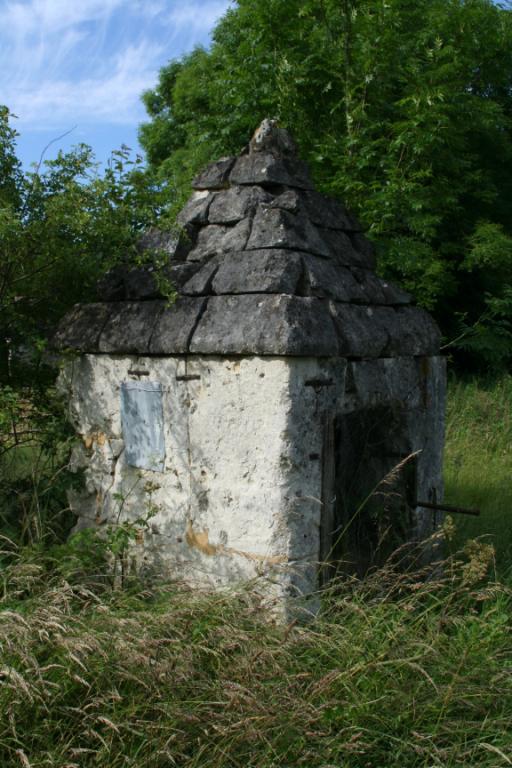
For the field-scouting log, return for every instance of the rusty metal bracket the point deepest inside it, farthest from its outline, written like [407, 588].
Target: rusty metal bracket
[448, 508]
[319, 383]
[188, 377]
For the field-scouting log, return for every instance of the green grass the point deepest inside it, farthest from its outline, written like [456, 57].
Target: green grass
[478, 462]
[396, 672]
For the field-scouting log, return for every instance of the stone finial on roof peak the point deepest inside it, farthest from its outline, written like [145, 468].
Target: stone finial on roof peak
[269, 137]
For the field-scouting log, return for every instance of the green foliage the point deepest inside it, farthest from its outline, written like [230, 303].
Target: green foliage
[402, 110]
[10, 167]
[488, 339]
[486, 273]
[61, 227]
[35, 443]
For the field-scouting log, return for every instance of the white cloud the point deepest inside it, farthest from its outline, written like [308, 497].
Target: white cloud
[196, 14]
[69, 61]
[111, 99]
[40, 16]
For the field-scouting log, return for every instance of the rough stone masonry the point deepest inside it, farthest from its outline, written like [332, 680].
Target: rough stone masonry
[286, 411]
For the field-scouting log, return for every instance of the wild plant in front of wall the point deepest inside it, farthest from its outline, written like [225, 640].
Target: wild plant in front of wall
[121, 537]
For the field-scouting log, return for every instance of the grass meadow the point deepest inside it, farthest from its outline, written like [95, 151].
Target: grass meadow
[400, 670]
[478, 463]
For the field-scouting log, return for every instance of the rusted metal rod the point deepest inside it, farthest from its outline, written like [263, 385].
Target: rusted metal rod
[188, 377]
[448, 508]
[319, 383]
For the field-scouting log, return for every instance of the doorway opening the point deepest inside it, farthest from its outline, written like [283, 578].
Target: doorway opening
[369, 490]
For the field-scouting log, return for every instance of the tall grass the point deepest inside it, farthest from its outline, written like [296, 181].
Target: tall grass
[400, 670]
[395, 672]
[478, 462]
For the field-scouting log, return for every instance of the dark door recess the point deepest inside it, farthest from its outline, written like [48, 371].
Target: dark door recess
[369, 483]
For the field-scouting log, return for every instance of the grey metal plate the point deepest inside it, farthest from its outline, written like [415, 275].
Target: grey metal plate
[143, 424]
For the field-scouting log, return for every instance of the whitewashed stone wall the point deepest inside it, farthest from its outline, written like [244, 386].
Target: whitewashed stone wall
[240, 497]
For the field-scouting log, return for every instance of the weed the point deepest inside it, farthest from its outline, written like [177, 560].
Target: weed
[399, 670]
[478, 462]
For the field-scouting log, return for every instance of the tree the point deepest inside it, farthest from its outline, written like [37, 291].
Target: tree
[403, 110]
[61, 228]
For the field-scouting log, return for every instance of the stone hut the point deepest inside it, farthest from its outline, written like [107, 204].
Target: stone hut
[285, 411]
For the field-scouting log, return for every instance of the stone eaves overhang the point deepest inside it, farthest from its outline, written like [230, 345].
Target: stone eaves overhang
[265, 266]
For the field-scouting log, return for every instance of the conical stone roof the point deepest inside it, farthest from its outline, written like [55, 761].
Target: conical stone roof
[265, 266]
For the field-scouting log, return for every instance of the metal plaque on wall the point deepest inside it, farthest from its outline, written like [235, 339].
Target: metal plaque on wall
[143, 424]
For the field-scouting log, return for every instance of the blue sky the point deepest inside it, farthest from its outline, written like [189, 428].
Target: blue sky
[83, 64]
